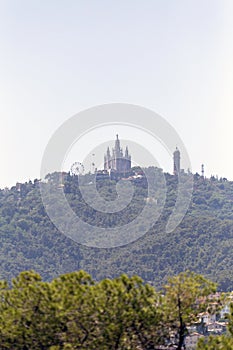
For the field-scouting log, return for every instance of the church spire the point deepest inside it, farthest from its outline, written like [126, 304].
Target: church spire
[117, 146]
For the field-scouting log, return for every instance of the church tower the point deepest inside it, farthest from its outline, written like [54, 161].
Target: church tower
[117, 146]
[118, 161]
[176, 162]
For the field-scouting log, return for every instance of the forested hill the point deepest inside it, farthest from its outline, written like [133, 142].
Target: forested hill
[203, 242]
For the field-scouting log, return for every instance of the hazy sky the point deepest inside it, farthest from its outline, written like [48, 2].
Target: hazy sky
[60, 57]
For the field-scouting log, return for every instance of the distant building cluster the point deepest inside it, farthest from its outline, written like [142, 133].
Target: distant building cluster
[117, 163]
[209, 323]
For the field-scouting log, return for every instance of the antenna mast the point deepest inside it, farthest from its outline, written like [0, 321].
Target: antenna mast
[202, 170]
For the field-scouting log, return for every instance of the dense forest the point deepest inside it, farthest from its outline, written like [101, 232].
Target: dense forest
[203, 242]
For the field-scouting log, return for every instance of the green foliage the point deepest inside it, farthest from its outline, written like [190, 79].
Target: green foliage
[216, 343]
[203, 242]
[73, 312]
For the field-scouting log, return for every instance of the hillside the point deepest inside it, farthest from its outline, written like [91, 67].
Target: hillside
[203, 242]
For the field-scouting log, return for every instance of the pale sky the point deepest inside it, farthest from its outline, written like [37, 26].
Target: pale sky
[61, 57]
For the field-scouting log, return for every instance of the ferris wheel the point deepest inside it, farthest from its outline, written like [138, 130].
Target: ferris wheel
[77, 169]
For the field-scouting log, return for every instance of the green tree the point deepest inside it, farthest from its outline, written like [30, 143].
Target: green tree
[33, 314]
[131, 315]
[186, 295]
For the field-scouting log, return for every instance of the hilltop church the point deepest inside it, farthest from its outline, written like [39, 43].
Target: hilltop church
[118, 160]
